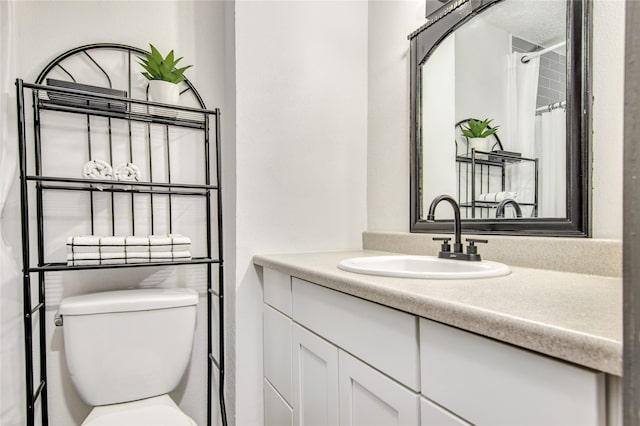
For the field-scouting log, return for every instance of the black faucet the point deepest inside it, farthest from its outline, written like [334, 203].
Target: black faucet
[504, 203]
[457, 227]
[445, 251]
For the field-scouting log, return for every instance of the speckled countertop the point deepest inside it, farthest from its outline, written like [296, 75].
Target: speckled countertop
[570, 316]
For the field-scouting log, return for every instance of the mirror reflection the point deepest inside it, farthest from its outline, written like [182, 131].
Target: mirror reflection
[492, 113]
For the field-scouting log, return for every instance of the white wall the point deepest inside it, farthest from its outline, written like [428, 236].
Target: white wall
[32, 34]
[390, 22]
[301, 77]
[388, 155]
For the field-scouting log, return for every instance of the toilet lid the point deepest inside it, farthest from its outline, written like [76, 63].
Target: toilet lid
[157, 411]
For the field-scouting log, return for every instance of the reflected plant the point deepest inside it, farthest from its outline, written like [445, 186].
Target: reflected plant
[478, 128]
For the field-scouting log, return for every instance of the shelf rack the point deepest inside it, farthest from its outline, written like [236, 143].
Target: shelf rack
[477, 174]
[114, 108]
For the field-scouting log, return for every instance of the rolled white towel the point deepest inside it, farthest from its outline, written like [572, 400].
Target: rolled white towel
[128, 172]
[97, 169]
[497, 196]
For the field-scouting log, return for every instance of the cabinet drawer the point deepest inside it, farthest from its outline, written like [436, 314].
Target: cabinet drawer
[488, 382]
[277, 290]
[384, 337]
[277, 351]
[432, 415]
[276, 411]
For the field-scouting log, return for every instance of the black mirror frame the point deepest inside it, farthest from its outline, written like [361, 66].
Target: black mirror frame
[577, 223]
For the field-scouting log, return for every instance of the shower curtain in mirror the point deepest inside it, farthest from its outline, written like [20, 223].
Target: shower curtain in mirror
[523, 81]
[551, 150]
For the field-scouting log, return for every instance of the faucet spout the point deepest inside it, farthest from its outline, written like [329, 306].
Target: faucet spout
[457, 227]
[504, 203]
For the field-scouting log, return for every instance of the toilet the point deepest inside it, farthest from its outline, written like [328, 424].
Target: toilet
[126, 350]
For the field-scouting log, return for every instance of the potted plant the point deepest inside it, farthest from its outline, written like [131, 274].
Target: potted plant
[163, 76]
[477, 133]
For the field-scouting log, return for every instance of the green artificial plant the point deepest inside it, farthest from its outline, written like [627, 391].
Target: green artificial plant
[478, 129]
[159, 68]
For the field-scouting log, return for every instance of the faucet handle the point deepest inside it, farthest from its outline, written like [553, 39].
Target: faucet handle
[445, 243]
[471, 248]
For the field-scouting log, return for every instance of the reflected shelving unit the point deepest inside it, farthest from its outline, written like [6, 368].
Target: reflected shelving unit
[487, 172]
[34, 183]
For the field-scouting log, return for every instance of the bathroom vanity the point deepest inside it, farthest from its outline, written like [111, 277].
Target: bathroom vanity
[535, 347]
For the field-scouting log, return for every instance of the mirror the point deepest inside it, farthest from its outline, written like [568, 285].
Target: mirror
[500, 96]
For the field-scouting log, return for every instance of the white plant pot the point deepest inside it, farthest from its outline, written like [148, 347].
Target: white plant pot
[479, 144]
[164, 92]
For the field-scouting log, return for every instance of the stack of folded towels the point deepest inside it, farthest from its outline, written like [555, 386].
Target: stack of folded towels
[96, 250]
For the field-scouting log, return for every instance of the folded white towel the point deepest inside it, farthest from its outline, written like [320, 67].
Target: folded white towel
[97, 169]
[171, 242]
[96, 250]
[95, 262]
[84, 240]
[97, 244]
[179, 239]
[128, 172]
[112, 241]
[497, 196]
[136, 244]
[159, 256]
[159, 240]
[96, 256]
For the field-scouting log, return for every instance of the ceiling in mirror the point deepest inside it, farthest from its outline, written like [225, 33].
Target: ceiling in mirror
[495, 105]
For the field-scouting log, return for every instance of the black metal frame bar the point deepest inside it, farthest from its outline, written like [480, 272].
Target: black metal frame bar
[134, 110]
[577, 223]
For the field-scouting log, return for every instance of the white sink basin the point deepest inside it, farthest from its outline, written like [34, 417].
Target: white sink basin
[430, 267]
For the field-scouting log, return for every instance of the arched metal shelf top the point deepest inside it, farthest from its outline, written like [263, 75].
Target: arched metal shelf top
[85, 52]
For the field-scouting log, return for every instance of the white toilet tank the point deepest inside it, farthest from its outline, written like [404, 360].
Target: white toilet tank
[127, 345]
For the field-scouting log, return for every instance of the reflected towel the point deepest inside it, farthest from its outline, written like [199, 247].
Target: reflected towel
[127, 172]
[497, 196]
[97, 169]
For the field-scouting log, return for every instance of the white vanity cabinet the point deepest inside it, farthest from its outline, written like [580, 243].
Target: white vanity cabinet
[334, 359]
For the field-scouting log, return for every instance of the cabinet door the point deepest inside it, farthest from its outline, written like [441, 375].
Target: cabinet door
[367, 397]
[315, 379]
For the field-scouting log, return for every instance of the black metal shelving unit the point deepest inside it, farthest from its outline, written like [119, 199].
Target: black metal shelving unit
[474, 170]
[33, 185]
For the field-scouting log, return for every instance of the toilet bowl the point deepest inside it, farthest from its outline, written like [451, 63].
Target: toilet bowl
[126, 350]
